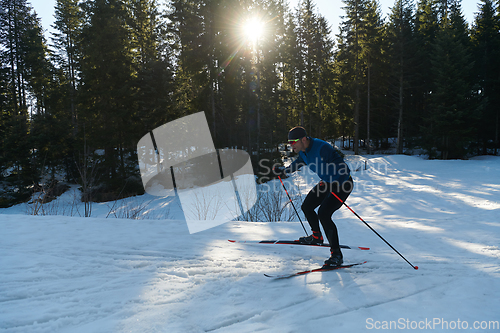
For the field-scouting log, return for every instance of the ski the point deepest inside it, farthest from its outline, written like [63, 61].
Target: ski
[296, 242]
[321, 269]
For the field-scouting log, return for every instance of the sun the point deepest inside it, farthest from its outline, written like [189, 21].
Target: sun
[253, 29]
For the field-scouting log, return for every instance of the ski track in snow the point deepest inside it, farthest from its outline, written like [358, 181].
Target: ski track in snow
[70, 274]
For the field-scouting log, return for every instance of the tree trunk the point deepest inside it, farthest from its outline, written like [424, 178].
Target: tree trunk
[368, 144]
[400, 118]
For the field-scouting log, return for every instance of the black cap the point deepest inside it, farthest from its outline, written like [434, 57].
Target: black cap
[297, 133]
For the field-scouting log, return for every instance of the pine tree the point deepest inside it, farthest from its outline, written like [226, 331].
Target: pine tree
[344, 72]
[186, 34]
[107, 73]
[350, 51]
[151, 85]
[22, 55]
[50, 131]
[326, 81]
[400, 33]
[68, 23]
[314, 48]
[454, 108]
[24, 75]
[375, 71]
[270, 43]
[355, 14]
[289, 72]
[486, 51]
[426, 29]
[360, 63]
[286, 61]
[305, 34]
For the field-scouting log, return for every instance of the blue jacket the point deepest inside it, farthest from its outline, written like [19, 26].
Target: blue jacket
[324, 160]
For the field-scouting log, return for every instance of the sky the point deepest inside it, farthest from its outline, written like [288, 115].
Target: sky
[330, 9]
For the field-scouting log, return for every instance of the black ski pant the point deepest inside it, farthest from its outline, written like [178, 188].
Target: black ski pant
[321, 196]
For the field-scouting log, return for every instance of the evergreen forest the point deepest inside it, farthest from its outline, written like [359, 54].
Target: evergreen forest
[75, 103]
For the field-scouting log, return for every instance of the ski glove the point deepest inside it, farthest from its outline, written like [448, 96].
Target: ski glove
[279, 171]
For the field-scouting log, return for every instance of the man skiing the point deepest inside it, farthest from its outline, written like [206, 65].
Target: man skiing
[335, 177]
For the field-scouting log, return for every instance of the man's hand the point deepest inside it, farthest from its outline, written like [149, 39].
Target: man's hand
[279, 171]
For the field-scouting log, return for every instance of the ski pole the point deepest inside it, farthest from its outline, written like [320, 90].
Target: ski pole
[376, 233]
[292, 205]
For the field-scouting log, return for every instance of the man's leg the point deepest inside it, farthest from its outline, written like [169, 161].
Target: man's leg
[313, 199]
[329, 205]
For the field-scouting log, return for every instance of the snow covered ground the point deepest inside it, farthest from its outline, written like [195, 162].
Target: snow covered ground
[75, 274]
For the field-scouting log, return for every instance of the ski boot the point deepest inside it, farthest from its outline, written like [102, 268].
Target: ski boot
[315, 238]
[335, 259]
